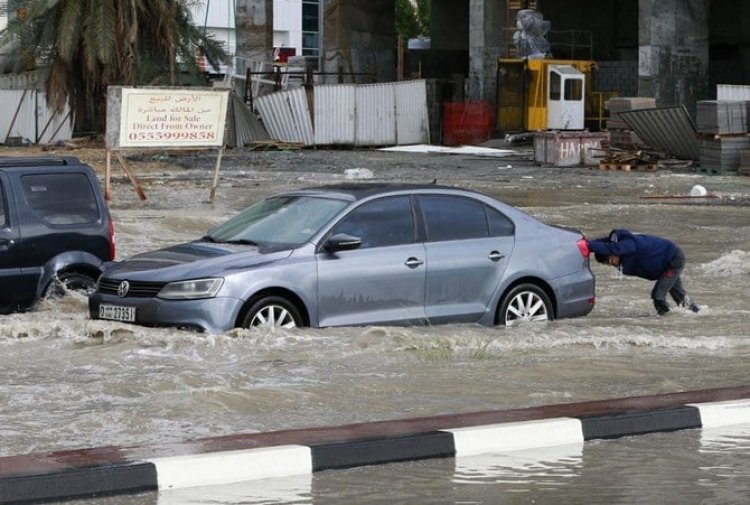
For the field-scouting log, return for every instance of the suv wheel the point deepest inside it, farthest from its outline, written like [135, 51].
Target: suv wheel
[272, 312]
[70, 281]
[525, 302]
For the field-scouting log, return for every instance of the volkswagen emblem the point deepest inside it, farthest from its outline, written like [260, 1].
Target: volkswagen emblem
[123, 288]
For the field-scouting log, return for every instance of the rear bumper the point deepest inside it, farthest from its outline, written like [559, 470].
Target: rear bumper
[575, 294]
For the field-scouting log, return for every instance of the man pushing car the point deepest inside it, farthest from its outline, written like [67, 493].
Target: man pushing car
[649, 257]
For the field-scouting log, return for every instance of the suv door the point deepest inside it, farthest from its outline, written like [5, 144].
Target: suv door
[467, 245]
[11, 292]
[383, 280]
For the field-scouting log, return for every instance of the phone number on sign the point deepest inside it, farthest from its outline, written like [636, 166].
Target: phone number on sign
[172, 136]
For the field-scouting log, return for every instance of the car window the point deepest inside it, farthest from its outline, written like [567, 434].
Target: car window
[453, 218]
[500, 224]
[383, 222]
[61, 198]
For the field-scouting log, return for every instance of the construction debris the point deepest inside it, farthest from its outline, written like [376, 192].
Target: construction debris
[274, 145]
[628, 160]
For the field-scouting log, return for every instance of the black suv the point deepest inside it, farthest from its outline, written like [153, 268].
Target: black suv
[55, 229]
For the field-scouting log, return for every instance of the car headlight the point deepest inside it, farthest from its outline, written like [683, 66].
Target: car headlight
[191, 290]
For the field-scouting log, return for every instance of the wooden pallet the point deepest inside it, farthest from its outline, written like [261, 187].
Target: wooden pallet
[273, 145]
[719, 136]
[627, 167]
[743, 171]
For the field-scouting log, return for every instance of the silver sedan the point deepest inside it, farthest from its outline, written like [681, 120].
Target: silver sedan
[357, 254]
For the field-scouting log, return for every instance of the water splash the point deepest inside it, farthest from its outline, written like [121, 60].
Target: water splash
[736, 262]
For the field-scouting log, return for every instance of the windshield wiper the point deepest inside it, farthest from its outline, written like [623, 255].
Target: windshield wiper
[242, 241]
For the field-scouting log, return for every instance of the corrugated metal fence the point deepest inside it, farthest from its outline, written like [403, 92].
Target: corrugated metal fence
[26, 118]
[349, 114]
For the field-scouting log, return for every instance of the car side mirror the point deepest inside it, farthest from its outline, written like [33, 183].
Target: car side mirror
[342, 242]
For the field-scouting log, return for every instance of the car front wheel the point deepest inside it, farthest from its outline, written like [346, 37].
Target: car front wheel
[272, 312]
[525, 302]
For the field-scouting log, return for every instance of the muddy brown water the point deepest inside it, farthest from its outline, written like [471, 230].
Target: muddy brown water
[70, 382]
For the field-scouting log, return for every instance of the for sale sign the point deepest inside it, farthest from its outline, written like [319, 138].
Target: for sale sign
[167, 117]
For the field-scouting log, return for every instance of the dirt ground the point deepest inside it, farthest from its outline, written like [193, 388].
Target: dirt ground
[516, 178]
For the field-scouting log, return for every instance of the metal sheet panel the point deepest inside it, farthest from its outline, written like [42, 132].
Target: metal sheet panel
[733, 92]
[242, 125]
[669, 129]
[376, 115]
[335, 114]
[286, 116]
[412, 122]
[25, 114]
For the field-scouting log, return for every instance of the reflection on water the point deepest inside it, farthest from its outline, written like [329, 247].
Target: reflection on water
[546, 466]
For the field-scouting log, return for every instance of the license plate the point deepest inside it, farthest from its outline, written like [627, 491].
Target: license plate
[117, 313]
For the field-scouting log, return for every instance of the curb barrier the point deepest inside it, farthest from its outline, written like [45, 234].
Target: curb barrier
[102, 471]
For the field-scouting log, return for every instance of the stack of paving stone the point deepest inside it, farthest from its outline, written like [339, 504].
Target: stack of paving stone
[723, 131]
[744, 162]
[620, 133]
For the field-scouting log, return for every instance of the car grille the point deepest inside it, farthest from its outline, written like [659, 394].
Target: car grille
[137, 288]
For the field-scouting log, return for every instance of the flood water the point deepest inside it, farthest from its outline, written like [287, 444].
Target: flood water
[69, 382]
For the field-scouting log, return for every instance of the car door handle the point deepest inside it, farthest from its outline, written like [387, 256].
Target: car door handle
[413, 262]
[496, 256]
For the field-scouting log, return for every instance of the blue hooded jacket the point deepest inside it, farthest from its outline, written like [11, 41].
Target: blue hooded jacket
[644, 256]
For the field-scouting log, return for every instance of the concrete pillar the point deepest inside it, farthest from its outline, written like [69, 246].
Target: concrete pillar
[360, 36]
[254, 28]
[673, 51]
[485, 40]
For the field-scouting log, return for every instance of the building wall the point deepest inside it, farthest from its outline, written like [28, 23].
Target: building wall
[673, 51]
[359, 36]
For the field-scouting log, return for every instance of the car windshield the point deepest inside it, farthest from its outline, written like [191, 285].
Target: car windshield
[278, 220]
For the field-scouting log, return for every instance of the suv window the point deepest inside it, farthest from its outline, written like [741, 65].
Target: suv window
[61, 199]
[382, 222]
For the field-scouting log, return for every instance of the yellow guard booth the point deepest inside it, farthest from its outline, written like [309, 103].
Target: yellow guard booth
[523, 90]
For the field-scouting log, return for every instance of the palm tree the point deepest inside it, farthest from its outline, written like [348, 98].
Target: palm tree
[87, 45]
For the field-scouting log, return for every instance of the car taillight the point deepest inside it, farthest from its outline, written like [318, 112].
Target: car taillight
[583, 246]
[111, 240]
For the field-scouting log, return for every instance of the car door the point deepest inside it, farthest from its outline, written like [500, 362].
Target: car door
[382, 281]
[467, 248]
[10, 294]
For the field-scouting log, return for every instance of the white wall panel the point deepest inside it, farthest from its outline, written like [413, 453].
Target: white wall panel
[376, 115]
[733, 92]
[26, 115]
[335, 111]
[412, 122]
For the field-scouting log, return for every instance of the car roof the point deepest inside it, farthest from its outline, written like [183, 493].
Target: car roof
[30, 163]
[359, 191]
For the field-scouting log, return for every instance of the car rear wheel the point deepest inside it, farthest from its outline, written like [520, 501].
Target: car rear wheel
[70, 281]
[272, 312]
[525, 302]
